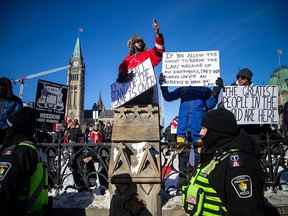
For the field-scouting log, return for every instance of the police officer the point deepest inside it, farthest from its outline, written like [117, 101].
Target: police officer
[229, 180]
[23, 177]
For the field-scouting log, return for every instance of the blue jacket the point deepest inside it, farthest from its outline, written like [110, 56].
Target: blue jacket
[8, 106]
[195, 102]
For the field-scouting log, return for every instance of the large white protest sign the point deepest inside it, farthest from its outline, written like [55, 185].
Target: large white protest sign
[143, 79]
[252, 104]
[191, 68]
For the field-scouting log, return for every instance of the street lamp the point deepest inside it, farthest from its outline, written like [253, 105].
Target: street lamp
[279, 53]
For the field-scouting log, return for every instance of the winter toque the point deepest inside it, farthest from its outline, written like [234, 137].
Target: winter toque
[221, 121]
[245, 72]
[23, 120]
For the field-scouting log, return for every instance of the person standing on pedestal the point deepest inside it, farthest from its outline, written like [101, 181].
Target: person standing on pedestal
[137, 55]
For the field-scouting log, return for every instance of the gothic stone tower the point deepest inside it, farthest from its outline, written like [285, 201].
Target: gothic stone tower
[76, 84]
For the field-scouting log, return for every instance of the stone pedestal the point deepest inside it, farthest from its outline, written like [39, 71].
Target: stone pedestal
[135, 168]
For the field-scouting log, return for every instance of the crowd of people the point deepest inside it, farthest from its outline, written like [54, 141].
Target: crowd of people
[23, 170]
[94, 133]
[225, 171]
[226, 177]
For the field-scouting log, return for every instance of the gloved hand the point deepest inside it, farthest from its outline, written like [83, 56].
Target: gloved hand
[161, 79]
[123, 78]
[155, 26]
[219, 85]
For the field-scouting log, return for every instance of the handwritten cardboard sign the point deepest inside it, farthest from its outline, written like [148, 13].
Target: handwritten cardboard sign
[252, 104]
[143, 79]
[191, 68]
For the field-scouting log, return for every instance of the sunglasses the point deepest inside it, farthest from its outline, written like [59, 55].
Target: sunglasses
[242, 77]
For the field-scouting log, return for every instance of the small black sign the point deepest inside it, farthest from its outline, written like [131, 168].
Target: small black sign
[50, 104]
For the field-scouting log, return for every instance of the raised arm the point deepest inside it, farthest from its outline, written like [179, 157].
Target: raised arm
[168, 96]
[213, 100]
[157, 52]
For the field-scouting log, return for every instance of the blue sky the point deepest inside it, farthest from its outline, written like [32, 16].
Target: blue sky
[40, 35]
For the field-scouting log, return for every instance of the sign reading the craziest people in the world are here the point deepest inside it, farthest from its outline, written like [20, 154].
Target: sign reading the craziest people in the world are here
[252, 104]
[143, 79]
[191, 68]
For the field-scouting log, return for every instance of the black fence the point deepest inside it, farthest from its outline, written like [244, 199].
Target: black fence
[272, 151]
[76, 165]
[274, 161]
[85, 166]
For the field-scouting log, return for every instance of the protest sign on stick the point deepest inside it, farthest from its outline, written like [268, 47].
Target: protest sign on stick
[191, 68]
[143, 79]
[252, 104]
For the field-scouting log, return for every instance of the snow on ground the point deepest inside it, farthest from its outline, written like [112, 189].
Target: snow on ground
[93, 199]
[88, 199]
[69, 197]
[277, 199]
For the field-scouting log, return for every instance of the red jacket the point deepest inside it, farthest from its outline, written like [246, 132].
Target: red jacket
[96, 137]
[155, 55]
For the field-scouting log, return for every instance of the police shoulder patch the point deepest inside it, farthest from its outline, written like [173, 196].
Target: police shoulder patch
[242, 185]
[235, 160]
[4, 169]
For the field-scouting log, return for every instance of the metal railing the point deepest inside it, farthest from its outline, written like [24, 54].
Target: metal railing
[67, 161]
[274, 160]
[85, 165]
[273, 155]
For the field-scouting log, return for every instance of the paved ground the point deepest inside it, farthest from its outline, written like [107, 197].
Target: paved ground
[104, 212]
[173, 207]
[279, 200]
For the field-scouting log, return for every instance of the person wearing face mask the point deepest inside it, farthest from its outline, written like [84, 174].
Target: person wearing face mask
[229, 180]
[9, 104]
[138, 53]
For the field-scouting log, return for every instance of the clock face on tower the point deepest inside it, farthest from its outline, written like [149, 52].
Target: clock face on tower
[75, 63]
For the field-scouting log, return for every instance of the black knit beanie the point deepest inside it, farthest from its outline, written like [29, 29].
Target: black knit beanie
[23, 121]
[6, 83]
[221, 121]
